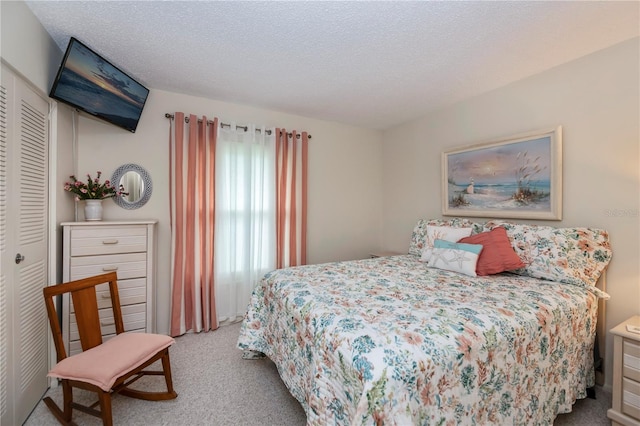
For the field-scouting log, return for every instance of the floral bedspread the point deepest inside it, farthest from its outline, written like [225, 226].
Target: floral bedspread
[391, 341]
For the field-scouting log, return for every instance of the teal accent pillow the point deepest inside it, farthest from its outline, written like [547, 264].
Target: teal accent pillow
[473, 248]
[455, 257]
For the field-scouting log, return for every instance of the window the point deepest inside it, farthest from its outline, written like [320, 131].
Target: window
[245, 216]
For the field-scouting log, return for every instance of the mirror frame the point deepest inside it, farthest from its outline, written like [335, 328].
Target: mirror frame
[146, 179]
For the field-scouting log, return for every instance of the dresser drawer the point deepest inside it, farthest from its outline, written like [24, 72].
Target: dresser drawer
[108, 240]
[75, 347]
[631, 360]
[132, 265]
[128, 248]
[631, 398]
[133, 316]
[129, 291]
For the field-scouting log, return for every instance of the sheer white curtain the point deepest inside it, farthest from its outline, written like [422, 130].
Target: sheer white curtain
[245, 232]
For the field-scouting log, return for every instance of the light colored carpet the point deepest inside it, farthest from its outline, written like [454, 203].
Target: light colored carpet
[217, 387]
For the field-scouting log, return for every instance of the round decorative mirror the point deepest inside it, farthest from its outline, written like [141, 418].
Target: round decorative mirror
[137, 184]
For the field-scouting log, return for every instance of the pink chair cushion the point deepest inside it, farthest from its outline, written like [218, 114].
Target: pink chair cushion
[103, 364]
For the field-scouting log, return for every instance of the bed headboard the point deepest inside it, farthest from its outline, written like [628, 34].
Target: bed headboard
[601, 328]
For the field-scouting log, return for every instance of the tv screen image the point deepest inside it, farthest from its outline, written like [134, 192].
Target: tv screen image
[90, 83]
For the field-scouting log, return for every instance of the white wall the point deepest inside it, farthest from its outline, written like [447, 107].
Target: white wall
[27, 46]
[61, 167]
[596, 99]
[353, 191]
[345, 181]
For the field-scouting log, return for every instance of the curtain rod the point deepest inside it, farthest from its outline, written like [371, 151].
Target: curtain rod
[245, 128]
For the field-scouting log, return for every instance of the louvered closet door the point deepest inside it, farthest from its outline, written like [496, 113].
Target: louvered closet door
[23, 227]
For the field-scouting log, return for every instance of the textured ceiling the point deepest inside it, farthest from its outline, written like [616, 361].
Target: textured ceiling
[369, 64]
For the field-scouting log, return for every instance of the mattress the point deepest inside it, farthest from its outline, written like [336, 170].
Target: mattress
[390, 340]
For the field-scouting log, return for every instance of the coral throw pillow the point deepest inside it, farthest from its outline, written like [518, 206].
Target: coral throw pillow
[497, 255]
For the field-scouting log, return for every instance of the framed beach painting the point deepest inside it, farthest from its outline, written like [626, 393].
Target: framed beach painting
[519, 177]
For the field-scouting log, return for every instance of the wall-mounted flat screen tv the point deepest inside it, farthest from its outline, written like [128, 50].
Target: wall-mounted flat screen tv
[90, 83]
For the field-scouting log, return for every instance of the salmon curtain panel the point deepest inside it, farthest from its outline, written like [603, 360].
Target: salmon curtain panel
[291, 168]
[192, 180]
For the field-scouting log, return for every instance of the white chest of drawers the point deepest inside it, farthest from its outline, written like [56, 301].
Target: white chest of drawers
[625, 406]
[127, 247]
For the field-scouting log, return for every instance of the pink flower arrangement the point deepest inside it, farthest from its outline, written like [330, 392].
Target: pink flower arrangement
[93, 189]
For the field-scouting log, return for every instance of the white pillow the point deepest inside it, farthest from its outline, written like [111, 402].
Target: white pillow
[445, 233]
[456, 257]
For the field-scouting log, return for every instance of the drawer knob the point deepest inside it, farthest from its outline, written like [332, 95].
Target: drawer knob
[105, 323]
[109, 241]
[106, 296]
[110, 268]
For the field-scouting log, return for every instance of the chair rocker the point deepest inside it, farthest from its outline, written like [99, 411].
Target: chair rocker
[104, 367]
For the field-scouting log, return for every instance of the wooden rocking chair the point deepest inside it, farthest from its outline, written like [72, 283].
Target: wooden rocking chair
[104, 367]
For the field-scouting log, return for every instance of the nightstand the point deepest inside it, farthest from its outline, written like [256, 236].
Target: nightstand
[383, 254]
[625, 407]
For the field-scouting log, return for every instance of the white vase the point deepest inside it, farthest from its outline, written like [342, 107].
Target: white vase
[92, 209]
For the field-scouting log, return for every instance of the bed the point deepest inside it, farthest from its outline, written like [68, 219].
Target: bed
[397, 340]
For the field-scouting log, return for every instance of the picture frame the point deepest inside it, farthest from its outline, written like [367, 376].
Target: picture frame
[519, 177]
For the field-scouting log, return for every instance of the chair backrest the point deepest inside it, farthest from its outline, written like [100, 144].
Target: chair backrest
[83, 295]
